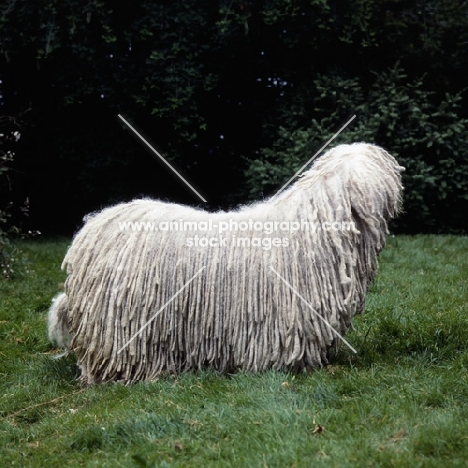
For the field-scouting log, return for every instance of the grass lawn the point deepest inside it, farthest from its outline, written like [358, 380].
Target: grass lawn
[401, 401]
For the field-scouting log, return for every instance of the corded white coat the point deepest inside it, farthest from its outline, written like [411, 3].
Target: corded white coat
[254, 302]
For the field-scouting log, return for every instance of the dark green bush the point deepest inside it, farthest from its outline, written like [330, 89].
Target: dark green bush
[425, 132]
[12, 260]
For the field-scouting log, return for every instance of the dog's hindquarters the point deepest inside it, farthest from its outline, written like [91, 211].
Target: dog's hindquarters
[58, 322]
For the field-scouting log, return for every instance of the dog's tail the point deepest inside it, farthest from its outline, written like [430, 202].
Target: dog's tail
[58, 323]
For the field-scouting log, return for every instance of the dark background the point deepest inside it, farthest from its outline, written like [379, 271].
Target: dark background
[237, 95]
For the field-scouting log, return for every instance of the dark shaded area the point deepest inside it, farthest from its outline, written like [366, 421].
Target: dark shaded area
[221, 90]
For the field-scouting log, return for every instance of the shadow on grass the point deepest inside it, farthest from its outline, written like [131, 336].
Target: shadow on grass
[62, 370]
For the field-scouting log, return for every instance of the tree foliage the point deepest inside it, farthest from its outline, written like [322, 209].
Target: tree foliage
[236, 94]
[13, 262]
[427, 137]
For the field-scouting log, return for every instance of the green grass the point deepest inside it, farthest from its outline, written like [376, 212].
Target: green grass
[402, 400]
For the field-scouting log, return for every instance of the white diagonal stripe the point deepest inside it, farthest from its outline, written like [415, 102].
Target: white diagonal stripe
[315, 155]
[313, 310]
[162, 159]
[160, 310]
